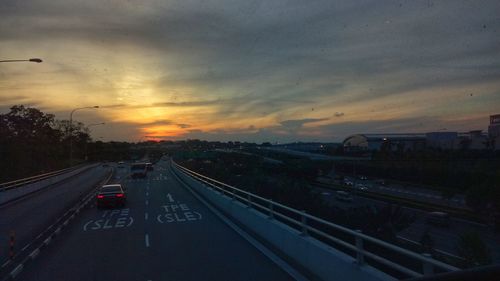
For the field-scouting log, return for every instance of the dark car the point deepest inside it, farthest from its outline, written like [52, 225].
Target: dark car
[149, 166]
[138, 170]
[440, 219]
[111, 195]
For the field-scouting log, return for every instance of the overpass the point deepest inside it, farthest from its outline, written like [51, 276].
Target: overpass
[180, 225]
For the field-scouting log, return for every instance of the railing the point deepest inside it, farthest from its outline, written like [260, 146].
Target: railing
[351, 240]
[25, 181]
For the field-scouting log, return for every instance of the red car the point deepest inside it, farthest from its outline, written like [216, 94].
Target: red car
[111, 195]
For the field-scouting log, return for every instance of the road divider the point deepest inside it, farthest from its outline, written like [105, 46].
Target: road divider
[29, 186]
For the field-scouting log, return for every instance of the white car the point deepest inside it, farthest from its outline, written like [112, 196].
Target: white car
[343, 196]
[362, 187]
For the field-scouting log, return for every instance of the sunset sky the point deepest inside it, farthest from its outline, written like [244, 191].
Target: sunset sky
[254, 70]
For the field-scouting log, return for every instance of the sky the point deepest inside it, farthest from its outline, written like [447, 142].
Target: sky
[278, 71]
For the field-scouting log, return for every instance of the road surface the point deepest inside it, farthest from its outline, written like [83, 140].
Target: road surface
[164, 233]
[32, 214]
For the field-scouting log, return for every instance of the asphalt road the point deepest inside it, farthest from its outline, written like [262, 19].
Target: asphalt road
[411, 192]
[31, 215]
[445, 239]
[163, 233]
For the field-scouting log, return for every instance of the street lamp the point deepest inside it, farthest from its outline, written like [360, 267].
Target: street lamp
[37, 60]
[86, 143]
[71, 131]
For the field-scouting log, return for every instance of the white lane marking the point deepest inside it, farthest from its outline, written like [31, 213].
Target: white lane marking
[147, 193]
[146, 216]
[147, 202]
[170, 198]
[146, 240]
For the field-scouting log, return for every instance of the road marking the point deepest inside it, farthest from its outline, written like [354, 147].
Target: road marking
[146, 240]
[147, 193]
[170, 198]
[147, 202]
[146, 216]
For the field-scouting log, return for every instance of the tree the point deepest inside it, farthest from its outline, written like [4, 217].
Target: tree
[473, 249]
[28, 140]
[383, 222]
[32, 142]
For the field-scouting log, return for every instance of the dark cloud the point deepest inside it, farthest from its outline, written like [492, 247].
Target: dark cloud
[183, 126]
[294, 125]
[157, 123]
[248, 59]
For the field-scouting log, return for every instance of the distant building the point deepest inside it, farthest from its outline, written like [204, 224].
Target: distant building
[443, 140]
[474, 140]
[494, 131]
[390, 142]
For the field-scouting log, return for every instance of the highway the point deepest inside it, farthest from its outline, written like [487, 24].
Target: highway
[445, 239]
[31, 215]
[163, 233]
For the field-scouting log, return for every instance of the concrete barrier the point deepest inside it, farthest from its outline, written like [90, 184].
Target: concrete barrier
[15, 193]
[321, 260]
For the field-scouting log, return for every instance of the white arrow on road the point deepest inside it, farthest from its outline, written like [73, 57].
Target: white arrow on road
[170, 198]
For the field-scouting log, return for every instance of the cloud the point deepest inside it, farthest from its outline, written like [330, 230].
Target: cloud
[294, 125]
[253, 62]
[158, 122]
[183, 126]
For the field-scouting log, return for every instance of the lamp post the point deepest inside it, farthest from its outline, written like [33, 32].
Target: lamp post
[71, 131]
[37, 60]
[86, 143]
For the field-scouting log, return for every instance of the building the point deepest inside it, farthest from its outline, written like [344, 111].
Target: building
[391, 142]
[494, 131]
[473, 140]
[443, 140]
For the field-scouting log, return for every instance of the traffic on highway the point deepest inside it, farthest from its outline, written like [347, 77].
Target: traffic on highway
[161, 232]
[186, 140]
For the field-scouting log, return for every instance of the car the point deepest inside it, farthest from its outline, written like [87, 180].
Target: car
[105, 165]
[149, 166]
[138, 170]
[361, 187]
[348, 183]
[440, 219]
[111, 195]
[363, 178]
[343, 196]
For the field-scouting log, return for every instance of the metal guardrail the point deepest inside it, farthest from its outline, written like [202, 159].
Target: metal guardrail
[25, 181]
[307, 225]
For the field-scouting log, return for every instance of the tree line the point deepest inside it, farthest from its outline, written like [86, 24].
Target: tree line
[33, 142]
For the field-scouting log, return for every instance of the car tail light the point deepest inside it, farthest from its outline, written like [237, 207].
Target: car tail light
[120, 195]
[100, 196]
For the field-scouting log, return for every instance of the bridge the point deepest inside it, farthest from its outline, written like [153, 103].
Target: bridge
[180, 225]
